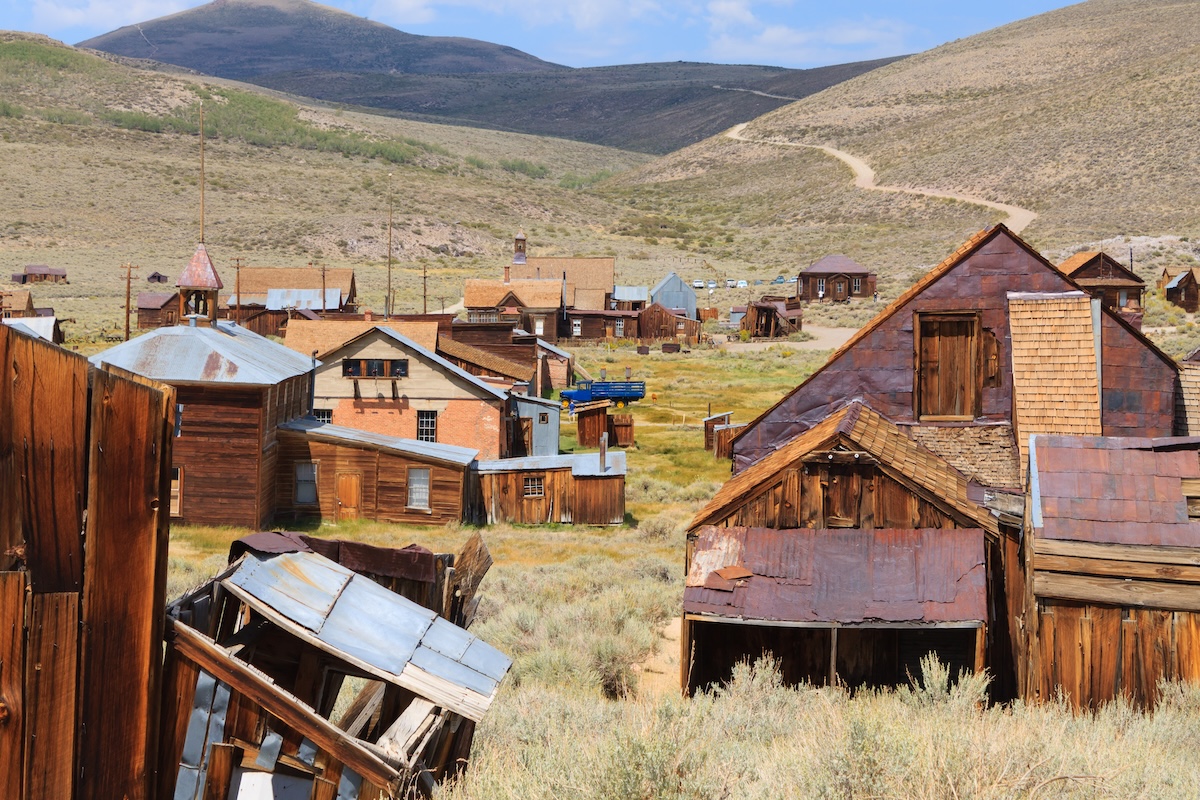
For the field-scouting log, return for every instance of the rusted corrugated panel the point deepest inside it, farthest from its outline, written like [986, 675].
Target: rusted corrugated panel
[1114, 490]
[200, 272]
[844, 575]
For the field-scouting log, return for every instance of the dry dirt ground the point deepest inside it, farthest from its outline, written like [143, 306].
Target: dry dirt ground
[823, 339]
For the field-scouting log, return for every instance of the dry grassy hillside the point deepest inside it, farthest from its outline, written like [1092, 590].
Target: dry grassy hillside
[1089, 115]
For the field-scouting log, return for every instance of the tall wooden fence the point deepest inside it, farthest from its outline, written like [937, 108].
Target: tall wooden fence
[85, 460]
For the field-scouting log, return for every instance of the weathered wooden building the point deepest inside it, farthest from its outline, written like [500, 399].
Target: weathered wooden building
[773, 317]
[16, 304]
[658, 322]
[157, 309]
[579, 488]
[535, 306]
[710, 423]
[336, 474]
[673, 293]
[536, 422]
[630, 298]
[959, 385]
[602, 325]
[835, 278]
[1183, 290]
[591, 422]
[41, 273]
[1113, 564]
[1106, 279]
[234, 388]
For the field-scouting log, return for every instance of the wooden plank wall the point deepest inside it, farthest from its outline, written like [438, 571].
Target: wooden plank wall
[12, 682]
[620, 430]
[503, 497]
[600, 501]
[219, 449]
[589, 426]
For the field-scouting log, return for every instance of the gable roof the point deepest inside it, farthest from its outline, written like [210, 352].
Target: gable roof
[16, 299]
[902, 458]
[486, 293]
[41, 327]
[200, 272]
[45, 269]
[352, 437]
[1108, 490]
[1056, 381]
[225, 354]
[1080, 261]
[668, 278]
[260, 280]
[1180, 279]
[582, 273]
[154, 300]
[428, 355]
[484, 359]
[325, 335]
[836, 263]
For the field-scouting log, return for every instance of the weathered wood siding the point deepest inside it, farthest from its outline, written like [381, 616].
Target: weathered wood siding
[656, 322]
[384, 482]
[600, 501]
[565, 498]
[219, 451]
[590, 425]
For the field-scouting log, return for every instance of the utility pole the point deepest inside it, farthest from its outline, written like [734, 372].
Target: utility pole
[129, 268]
[387, 303]
[424, 288]
[237, 288]
[201, 172]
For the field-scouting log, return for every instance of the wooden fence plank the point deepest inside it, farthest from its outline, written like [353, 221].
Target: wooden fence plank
[123, 596]
[12, 682]
[47, 404]
[50, 694]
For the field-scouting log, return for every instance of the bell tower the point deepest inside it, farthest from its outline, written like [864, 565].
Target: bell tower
[198, 287]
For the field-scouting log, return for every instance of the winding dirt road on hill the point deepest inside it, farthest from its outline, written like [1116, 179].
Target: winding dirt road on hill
[864, 178]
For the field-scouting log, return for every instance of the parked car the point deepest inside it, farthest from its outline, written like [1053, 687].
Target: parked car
[778, 279]
[791, 279]
[742, 284]
[697, 284]
[730, 283]
[712, 284]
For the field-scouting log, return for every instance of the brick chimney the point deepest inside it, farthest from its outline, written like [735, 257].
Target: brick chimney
[368, 316]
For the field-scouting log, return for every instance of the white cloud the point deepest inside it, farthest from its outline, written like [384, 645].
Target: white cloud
[838, 42]
[101, 15]
[581, 15]
[725, 14]
[399, 13]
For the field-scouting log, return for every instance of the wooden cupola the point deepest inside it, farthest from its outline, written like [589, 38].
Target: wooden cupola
[198, 287]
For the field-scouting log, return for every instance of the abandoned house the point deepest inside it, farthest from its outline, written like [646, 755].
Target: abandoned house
[535, 306]
[383, 382]
[660, 322]
[772, 317]
[630, 298]
[593, 325]
[1106, 279]
[673, 292]
[157, 309]
[41, 273]
[552, 368]
[16, 304]
[835, 278]
[1183, 290]
[576, 488]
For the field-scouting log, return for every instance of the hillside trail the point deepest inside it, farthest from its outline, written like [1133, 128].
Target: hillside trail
[864, 178]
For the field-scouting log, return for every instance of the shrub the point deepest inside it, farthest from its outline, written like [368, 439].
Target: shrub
[526, 168]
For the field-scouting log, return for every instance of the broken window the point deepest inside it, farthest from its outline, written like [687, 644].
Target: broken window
[177, 491]
[948, 374]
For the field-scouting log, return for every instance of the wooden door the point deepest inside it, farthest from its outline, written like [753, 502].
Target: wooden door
[948, 372]
[349, 495]
[839, 289]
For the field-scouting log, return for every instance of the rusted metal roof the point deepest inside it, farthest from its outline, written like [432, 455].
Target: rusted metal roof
[336, 434]
[1114, 490]
[226, 354]
[861, 427]
[836, 264]
[200, 272]
[352, 617]
[843, 576]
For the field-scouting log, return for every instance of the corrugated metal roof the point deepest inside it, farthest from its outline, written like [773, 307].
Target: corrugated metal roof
[279, 299]
[434, 451]
[848, 576]
[227, 354]
[543, 344]
[1114, 490]
[586, 465]
[356, 619]
[1174, 284]
[39, 327]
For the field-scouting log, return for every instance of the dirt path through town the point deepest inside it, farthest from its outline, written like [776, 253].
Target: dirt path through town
[864, 178]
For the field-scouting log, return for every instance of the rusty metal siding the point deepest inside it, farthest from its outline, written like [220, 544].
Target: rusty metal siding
[842, 575]
[1137, 384]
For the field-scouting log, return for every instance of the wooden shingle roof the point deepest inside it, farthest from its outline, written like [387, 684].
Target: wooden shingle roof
[489, 362]
[1056, 385]
[258, 280]
[582, 273]
[858, 425]
[1077, 262]
[306, 335]
[484, 293]
[1187, 400]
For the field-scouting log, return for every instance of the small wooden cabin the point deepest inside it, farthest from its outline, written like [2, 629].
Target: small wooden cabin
[337, 474]
[772, 317]
[579, 488]
[710, 424]
[594, 325]
[1183, 290]
[156, 309]
[17, 304]
[659, 322]
[835, 278]
[1104, 278]
[41, 273]
[591, 422]
[1114, 568]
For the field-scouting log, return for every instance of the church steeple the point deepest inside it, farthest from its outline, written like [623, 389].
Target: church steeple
[519, 248]
[199, 286]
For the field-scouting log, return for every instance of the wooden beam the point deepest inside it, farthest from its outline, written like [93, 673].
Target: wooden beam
[980, 648]
[1153, 554]
[1142, 570]
[51, 694]
[221, 760]
[1115, 591]
[123, 599]
[833, 676]
[871, 625]
[257, 687]
[12, 682]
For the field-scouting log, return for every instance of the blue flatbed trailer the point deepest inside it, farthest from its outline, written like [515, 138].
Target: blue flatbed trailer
[620, 392]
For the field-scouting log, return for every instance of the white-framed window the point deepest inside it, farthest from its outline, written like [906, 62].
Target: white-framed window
[577, 327]
[539, 326]
[306, 484]
[857, 286]
[535, 486]
[483, 316]
[619, 328]
[426, 426]
[820, 286]
[418, 487]
[177, 491]
[323, 414]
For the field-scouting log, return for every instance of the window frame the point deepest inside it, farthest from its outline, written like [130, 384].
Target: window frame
[315, 481]
[324, 415]
[856, 285]
[175, 500]
[424, 416]
[533, 487]
[576, 327]
[619, 328]
[360, 368]
[410, 483]
[975, 383]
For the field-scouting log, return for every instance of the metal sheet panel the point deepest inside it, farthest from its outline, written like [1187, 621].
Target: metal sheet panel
[301, 589]
[857, 576]
[375, 625]
[485, 659]
[448, 669]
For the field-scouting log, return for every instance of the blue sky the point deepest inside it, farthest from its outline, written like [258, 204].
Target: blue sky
[582, 33]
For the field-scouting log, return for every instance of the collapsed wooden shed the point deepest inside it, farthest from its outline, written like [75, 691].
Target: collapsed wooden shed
[261, 661]
[1113, 564]
[579, 488]
[773, 317]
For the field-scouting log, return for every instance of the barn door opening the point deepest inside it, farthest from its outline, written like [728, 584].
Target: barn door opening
[349, 495]
[947, 370]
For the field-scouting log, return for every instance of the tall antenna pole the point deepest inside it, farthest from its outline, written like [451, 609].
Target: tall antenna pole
[424, 288]
[201, 172]
[237, 288]
[387, 303]
[323, 287]
[129, 268]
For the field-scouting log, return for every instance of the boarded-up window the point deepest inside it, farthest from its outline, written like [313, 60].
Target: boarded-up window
[177, 491]
[418, 487]
[306, 484]
[947, 370]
